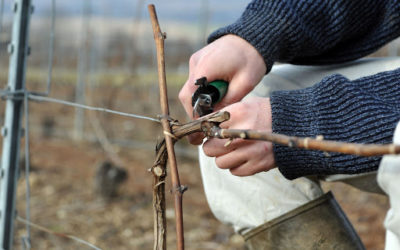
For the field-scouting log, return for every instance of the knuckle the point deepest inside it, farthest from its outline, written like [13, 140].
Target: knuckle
[247, 88]
[193, 60]
[195, 139]
[241, 110]
[182, 95]
[185, 95]
[256, 169]
[236, 172]
[220, 163]
[206, 150]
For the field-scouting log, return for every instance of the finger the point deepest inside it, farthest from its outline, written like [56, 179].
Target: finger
[196, 138]
[198, 68]
[246, 169]
[238, 116]
[218, 147]
[251, 168]
[185, 97]
[258, 155]
[260, 162]
[215, 147]
[233, 109]
[232, 159]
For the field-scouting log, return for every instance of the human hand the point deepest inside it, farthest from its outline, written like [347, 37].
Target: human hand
[244, 157]
[229, 58]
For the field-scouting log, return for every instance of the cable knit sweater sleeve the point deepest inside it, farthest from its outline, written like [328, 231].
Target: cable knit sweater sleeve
[318, 32]
[365, 110]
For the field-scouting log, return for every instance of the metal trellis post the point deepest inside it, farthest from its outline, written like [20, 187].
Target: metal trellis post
[11, 131]
[79, 124]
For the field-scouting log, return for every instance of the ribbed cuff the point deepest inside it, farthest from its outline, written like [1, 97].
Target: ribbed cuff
[294, 114]
[362, 111]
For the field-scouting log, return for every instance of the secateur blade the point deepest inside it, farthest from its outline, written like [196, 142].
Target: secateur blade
[202, 106]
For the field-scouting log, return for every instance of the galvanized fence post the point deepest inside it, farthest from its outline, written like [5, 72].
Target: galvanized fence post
[80, 92]
[11, 131]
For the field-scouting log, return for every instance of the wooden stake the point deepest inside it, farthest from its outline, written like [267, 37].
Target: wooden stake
[159, 38]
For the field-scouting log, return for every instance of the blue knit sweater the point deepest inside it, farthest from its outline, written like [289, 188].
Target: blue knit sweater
[317, 32]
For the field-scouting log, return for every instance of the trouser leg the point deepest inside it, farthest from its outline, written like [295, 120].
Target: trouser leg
[388, 179]
[247, 202]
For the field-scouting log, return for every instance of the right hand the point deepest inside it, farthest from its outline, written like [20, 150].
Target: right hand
[229, 58]
[244, 157]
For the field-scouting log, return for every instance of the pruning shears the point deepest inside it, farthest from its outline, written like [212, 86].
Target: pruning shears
[207, 95]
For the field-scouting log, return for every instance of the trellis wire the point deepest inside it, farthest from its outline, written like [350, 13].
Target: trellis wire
[26, 240]
[18, 50]
[37, 97]
[27, 96]
[77, 105]
[41, 228]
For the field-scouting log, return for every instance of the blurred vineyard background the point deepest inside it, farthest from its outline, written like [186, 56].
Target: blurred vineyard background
[104, 56]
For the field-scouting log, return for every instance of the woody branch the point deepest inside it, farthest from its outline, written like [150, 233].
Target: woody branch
[304, 142]
[159, 186]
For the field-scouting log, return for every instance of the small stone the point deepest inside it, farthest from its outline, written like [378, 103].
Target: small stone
[48, 190]
[127, 233]
[61, 214]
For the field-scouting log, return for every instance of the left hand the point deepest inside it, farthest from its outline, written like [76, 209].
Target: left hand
[244, 157]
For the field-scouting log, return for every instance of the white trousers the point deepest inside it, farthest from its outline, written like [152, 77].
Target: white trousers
[247, 202]
[388, 179]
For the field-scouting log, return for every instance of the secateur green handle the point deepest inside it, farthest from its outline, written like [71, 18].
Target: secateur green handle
[207, 95]
[222, 88]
